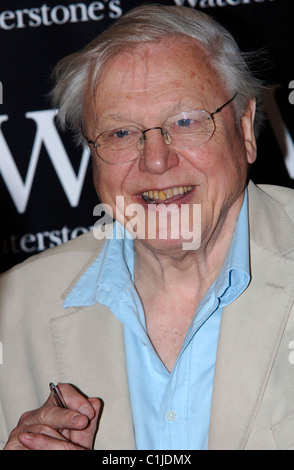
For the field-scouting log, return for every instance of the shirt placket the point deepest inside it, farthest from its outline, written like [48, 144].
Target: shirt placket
[173, 412]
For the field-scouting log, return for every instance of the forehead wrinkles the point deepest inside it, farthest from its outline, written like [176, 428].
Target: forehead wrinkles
[136, 71]
[163, 69]
[144, 66]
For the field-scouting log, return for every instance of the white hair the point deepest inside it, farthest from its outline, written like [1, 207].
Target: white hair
[145, 24]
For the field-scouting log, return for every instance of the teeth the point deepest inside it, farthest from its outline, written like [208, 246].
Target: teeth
[165, 194]
[169, 193]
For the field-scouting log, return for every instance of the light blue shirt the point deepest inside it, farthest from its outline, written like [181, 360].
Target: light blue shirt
[171, 411]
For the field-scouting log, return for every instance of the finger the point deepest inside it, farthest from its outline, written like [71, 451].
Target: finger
[54, 417]
[14, 444]
[42, 429]
[44, 442]
[43, 419]
[85, 437]
[75, 400]
[59, 418]
[26, 438]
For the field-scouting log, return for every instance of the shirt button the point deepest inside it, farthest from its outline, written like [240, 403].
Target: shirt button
[171, 415]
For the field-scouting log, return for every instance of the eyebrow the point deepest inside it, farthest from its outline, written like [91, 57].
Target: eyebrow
[113, 116]
[173, 110]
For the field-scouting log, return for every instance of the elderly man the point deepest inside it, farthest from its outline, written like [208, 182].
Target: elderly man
[183, 335]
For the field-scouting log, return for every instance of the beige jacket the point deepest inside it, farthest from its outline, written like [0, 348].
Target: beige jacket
[253, 397]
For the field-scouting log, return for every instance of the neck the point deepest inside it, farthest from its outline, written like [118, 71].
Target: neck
[171, 286]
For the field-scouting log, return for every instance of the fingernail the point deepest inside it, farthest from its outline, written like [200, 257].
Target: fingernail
[76, 418]
[27, 436]
[87, 410]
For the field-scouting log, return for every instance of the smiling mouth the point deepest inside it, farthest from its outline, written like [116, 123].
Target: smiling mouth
[164, 195]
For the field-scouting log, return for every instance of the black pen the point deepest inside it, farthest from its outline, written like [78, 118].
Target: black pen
[59, 401]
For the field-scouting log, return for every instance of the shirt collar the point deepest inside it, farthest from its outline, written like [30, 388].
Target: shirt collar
[235, 272]
[113, 269]
[109, 273]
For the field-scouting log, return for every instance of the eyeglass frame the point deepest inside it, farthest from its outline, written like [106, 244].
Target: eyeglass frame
[211, 116]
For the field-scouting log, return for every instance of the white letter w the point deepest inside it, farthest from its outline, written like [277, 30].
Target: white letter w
[46, 134]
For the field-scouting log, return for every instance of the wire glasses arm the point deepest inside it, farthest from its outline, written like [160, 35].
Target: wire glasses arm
[95, 144]
[224, 105]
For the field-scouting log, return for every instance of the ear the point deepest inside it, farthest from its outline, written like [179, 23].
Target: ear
[247, 123]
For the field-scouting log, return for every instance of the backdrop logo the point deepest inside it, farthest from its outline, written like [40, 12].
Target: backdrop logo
[217, 3]
[280, 128]
[47, 135]
[291, 96]
[31, 243]
[59, 14]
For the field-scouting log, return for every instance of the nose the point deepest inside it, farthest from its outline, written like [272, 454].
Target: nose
[157, 156]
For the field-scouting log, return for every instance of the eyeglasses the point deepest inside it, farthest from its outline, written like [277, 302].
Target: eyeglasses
[187, 129]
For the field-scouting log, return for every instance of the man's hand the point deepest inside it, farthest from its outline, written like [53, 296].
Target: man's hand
[54, 428]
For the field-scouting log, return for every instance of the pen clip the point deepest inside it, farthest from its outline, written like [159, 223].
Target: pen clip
[59, 401]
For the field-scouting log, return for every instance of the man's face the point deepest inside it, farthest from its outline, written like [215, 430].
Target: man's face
[142, 88]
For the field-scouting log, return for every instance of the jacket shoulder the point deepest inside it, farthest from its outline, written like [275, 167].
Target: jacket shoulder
[271, 217]
[51, 272]
[283, 195]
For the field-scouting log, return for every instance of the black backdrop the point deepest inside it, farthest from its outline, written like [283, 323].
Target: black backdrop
[46, 189]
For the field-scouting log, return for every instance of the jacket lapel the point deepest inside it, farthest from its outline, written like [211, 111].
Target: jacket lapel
[90, 352]
[252, 327]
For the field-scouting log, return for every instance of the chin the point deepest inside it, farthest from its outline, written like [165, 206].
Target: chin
[168, 246]
[172, 233]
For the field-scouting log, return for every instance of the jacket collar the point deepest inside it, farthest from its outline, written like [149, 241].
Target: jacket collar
[89, 347]
[270, 225]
